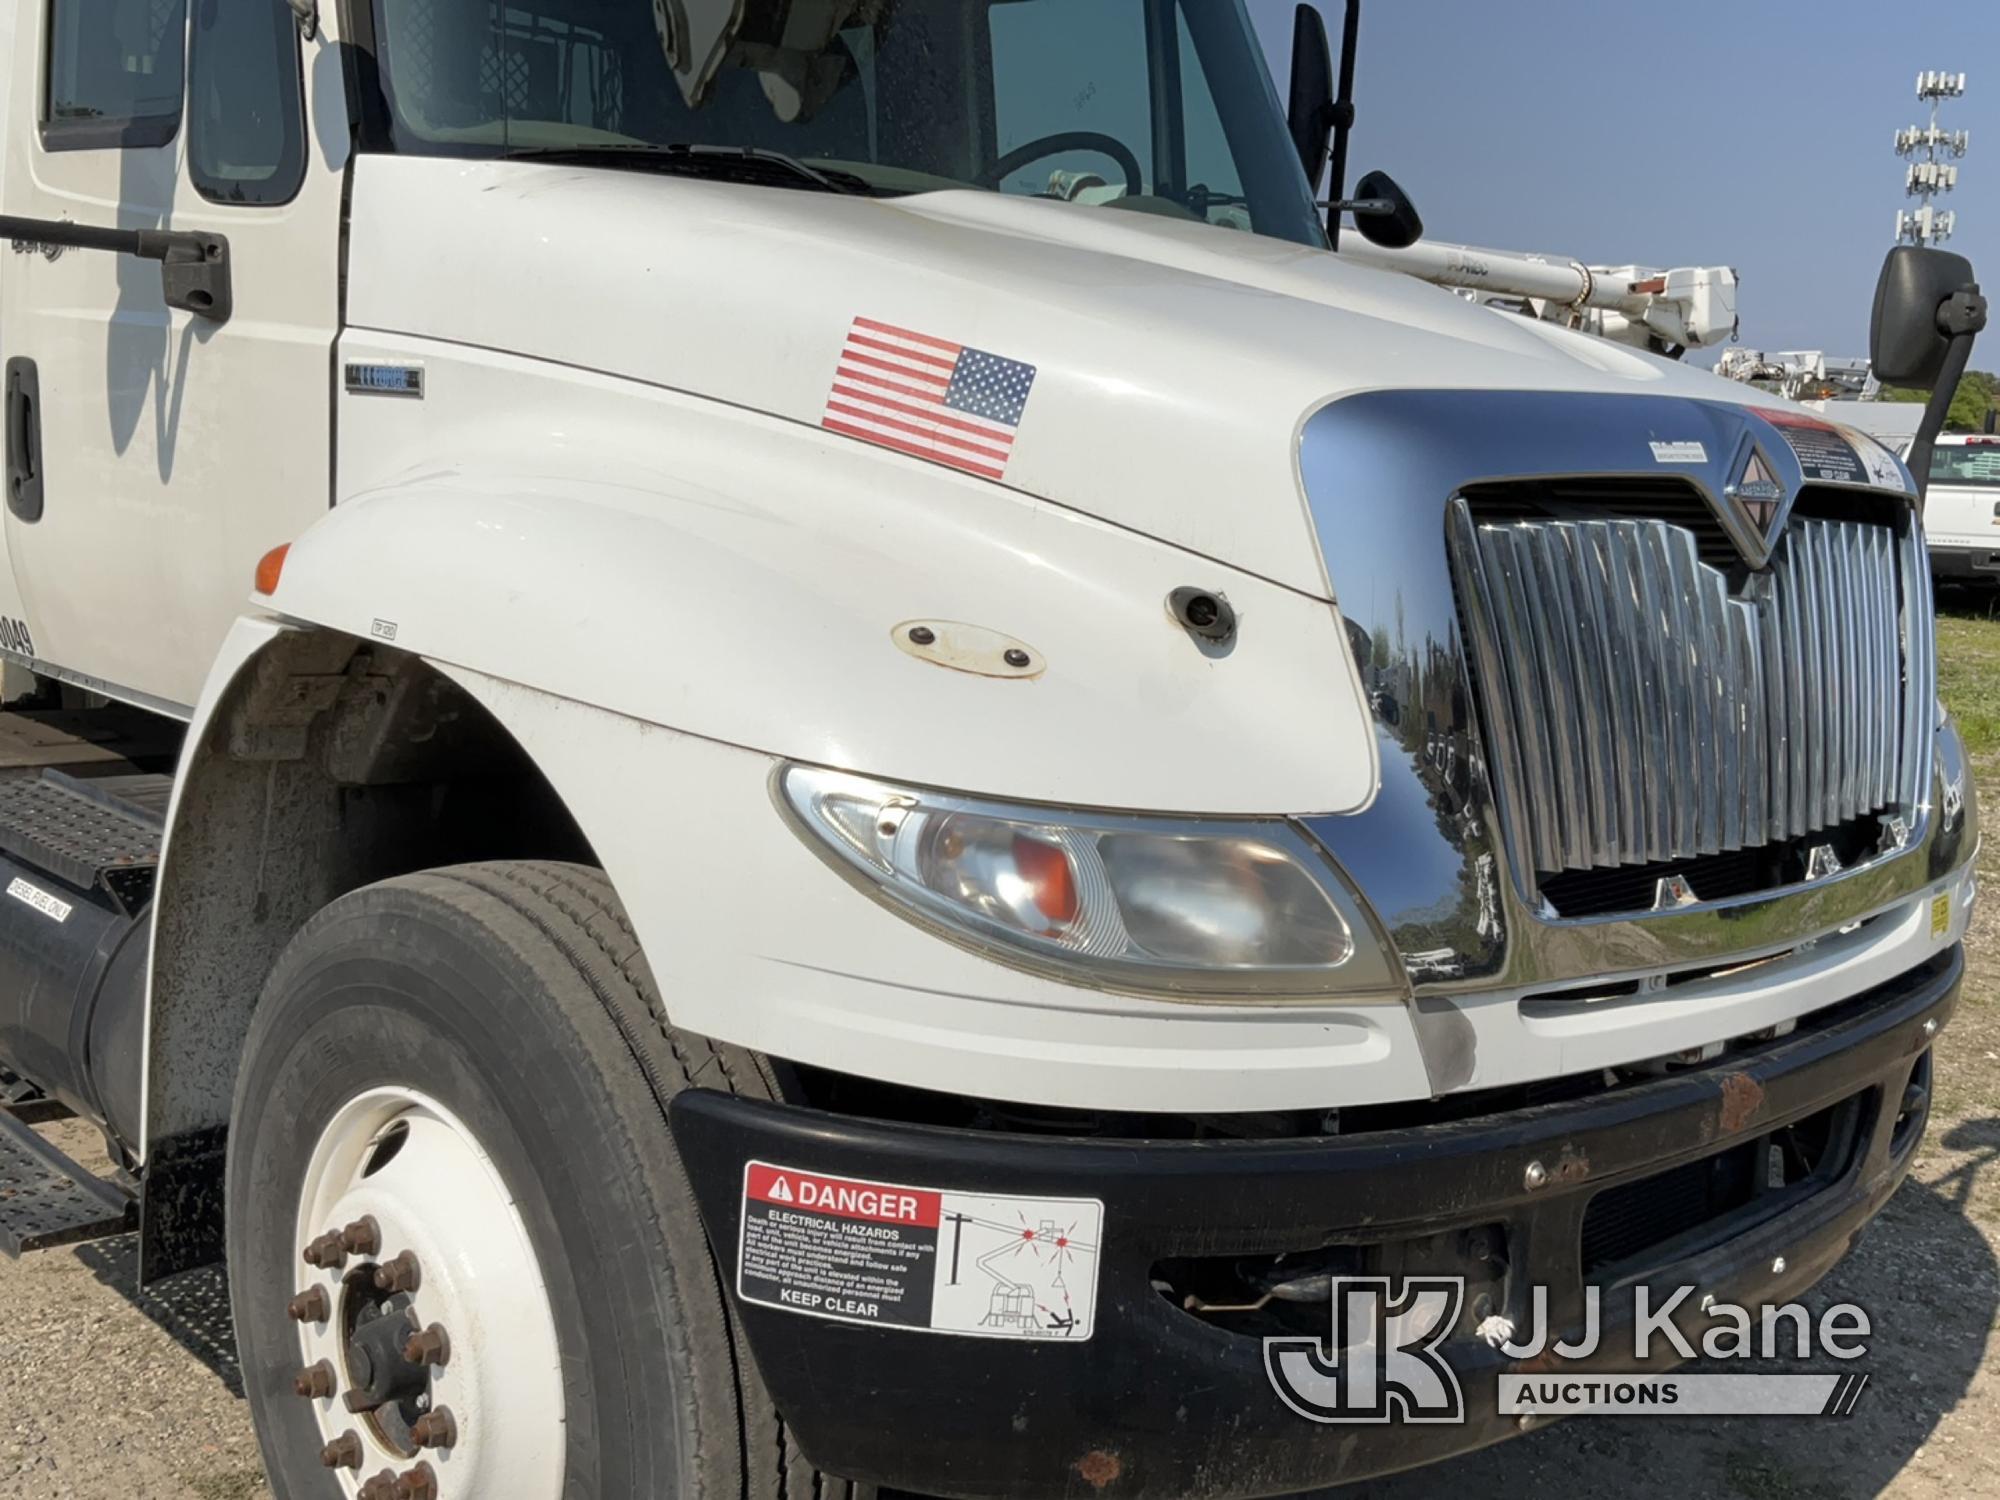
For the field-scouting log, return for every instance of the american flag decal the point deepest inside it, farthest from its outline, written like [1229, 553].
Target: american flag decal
[928, 397]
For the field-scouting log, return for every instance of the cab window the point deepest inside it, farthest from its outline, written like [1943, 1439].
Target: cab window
[246, 103]
[114, 73]
[1072, 78]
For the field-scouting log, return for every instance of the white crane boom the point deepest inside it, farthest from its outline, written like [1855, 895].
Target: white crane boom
[1687, 307]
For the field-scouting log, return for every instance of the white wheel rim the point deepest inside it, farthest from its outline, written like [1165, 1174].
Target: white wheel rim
[438, 1196]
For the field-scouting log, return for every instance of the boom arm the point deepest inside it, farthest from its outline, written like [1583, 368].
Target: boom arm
[1688, 307]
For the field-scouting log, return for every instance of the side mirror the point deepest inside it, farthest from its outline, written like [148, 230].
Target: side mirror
[1907, 339]
[1928, 310]
[1384, 213]
[1310, 110]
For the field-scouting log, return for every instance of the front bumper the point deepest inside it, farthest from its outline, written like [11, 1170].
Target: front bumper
[1159, 1402]
[1962, 563]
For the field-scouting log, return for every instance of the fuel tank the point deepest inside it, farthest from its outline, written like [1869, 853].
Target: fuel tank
[77, 860]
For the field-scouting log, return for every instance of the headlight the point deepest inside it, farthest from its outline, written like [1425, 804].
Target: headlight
[1244, 910]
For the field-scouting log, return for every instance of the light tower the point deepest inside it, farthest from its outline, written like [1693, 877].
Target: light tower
[1929, 172]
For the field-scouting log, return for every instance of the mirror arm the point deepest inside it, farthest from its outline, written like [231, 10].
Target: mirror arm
[1956, 358]
[1343, 116]
[306, 13]
[194, 265]
[1960, 318]
[1361, 208]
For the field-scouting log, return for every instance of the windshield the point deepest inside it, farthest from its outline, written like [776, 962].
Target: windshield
[1971, 465]
[1157, 106]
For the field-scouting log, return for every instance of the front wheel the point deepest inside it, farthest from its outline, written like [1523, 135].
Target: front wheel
[464, 1258]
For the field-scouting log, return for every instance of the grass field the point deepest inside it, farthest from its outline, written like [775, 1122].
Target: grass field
[1969, 667]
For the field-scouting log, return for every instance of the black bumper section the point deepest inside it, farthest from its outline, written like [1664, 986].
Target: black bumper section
[1161, 1403]
[1961, 563]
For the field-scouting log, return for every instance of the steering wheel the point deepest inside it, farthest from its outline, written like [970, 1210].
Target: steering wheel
[1068, 140]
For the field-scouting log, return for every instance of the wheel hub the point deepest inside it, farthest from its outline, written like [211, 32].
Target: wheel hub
[392, 1391]
[428, 1348]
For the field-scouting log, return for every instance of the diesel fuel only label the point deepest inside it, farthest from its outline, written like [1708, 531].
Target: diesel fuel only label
[974, 1264]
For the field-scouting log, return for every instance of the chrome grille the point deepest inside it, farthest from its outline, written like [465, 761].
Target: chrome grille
[1639, 712]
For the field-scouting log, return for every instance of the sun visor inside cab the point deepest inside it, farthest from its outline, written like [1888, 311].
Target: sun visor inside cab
[788, 43]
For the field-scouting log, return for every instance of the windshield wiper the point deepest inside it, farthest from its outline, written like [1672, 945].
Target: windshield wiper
[733, 163]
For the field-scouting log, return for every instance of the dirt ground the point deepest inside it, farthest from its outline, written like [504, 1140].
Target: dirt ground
[108, 1393]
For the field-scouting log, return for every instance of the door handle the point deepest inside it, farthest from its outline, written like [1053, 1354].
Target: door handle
[24, 440]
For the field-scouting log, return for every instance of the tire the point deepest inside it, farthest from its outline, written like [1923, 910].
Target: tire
[514, 997]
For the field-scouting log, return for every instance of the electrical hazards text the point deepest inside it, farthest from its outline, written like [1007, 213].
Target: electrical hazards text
[912, 1257]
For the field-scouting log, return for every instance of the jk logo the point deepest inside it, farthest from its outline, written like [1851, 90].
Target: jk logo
[1381, 1363]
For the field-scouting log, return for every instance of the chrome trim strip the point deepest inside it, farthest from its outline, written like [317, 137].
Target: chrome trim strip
[1379, 470]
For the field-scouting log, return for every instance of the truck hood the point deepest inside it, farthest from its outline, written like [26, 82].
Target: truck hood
[1174, 362]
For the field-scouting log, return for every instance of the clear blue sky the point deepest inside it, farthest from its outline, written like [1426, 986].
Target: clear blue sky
[1752, 133]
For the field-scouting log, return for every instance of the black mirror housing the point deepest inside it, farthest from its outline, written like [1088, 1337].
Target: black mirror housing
[1396, 224]
[1906, 343]
[1309, 112]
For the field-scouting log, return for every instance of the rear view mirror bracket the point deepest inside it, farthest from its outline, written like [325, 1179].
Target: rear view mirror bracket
[194, 265]
[1319, 118]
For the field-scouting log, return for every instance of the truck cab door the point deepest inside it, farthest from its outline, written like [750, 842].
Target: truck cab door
[166, 450]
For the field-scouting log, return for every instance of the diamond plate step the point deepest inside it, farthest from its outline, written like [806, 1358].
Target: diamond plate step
[90, 834]
[48, 1200]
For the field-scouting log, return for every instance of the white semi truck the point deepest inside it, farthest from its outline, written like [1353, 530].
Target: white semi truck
[748, 808]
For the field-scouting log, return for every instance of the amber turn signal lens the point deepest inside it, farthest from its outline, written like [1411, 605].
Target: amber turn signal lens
[1051, 885]
[270, 567]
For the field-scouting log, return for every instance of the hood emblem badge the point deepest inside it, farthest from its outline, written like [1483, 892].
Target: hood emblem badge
[1757, 497]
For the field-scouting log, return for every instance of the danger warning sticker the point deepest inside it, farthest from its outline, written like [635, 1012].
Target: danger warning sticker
[976, 1264]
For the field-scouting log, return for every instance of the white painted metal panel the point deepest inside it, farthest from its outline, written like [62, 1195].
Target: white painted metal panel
[1175, 361]
[726, 574]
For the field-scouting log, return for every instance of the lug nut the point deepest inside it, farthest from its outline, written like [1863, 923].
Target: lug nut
[310, 1306]
[381, 1487]
[438, 1429]
[362, 1237]
[327, 1252]
[421, 1483]
[402, 1274]
[344, 1452]
[431, 1347]
[315, 1381]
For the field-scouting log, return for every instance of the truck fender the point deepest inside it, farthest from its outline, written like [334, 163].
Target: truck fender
[315, 763]
[768, 590]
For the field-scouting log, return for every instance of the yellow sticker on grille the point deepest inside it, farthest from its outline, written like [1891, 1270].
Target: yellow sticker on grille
[1940, 914]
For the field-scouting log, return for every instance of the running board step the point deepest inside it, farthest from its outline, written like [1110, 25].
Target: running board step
[94, 835]
[48, 1200]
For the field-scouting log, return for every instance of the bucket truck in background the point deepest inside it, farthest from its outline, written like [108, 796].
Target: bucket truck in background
[1668, 312]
